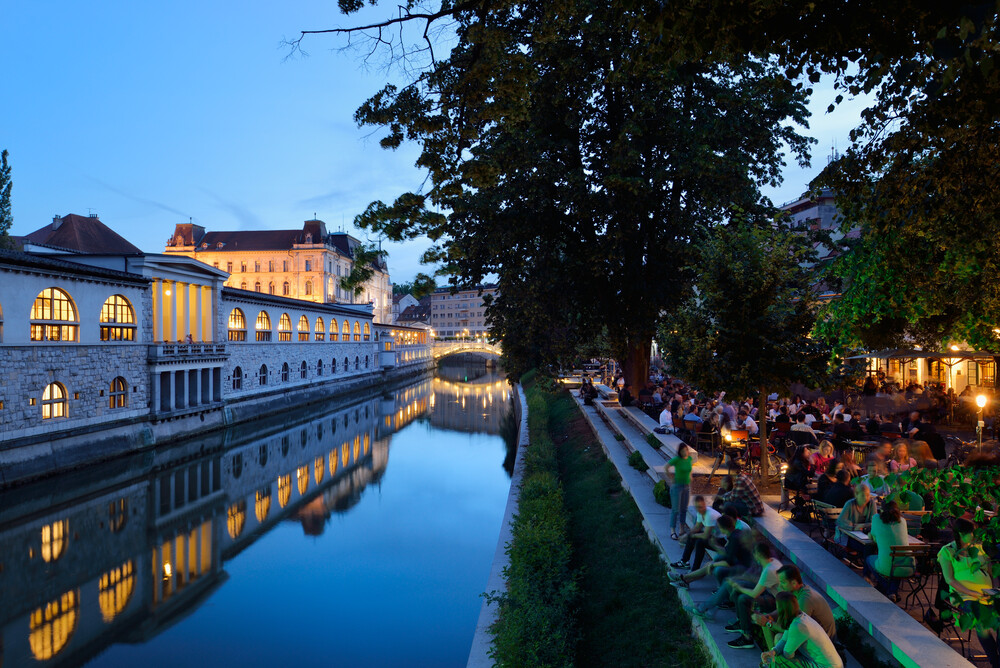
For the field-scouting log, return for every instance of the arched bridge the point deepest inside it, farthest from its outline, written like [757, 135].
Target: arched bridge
[444, 348]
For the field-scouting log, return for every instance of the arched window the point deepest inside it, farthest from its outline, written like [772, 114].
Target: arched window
[333, 365]
[117, 320]
[54, 538]
[347, 365]
[237, 325]
[285, 288]
[319, 367]
[117, 515]
[52, 626]
[54, 401]
[304, 370]
[345, 454]
[263, 326]
[357, 363]
[256, 286]
[345, 332]
[284, 328]
[357, 331]
[115, 590]
[333, 462]
[262, 374]
[262, 504]
[284, 372]
[318, 470]
[320, 329]
[53, 317]
[302, 478]
[1, 324]
[238, 378]
[368, 332]
[236, 517]
[309, 287]
[243, 285]
[270, 288]
[118, 397]
[303, 328]
[284, 490]
[366, 361]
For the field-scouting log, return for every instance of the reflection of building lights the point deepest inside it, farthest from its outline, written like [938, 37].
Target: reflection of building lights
[168, 571]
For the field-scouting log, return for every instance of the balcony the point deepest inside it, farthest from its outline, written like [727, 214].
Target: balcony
[187, 352]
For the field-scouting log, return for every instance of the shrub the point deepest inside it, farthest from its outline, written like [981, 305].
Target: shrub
[662, 493]
[636, 461]
[653, 441]
[619, 437]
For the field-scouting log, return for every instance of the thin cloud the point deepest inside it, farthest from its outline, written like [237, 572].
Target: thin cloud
[247, 219]
[137, 198]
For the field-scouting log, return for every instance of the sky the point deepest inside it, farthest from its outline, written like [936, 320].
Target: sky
[149, 114]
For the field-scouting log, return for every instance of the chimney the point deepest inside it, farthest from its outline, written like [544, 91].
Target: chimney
[56, 222]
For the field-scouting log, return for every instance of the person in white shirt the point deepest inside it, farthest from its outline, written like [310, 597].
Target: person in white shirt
[667, 419]
[810, 418]
[747, 422]
[803, 643]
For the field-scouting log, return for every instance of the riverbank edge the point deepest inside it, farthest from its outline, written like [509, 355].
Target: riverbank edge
[483, 639]
[25, 460]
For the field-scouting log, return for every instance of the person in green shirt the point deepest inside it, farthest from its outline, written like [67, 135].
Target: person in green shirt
[680, 490]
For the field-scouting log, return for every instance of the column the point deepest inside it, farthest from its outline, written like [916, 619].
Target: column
[196, 399]
[207, 314]
[155, 392]
[217, 384]
[182, 386]
[172, 393]
[167, 312]
[180, 302]
[198, 330]
[157, 307]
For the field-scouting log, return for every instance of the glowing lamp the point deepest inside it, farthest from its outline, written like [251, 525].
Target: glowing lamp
[981, 400]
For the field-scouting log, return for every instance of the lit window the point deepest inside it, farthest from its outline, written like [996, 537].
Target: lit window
[237, 325]
[262, 374]
[320, 329]
[243, 285]
[263, 326]
[284, 328]
[302, 475]
[262, 504]
[243, 267]
[284, 372]
[52, 626]
[117, 320]
[118, 397]
[236, 517]
[229, 267]
[309, 287]
[284, 490]
[308, 265]
[333, 462]
[256, 266]
[53, 317]
[117, 515]
[303, 329]
[357, 331]
[318, 470]
[115, 590]
[285, 288]
[256, 286]
[54, 538]
[367, 332]
[54, 401]
[238, 378]
[270, 288]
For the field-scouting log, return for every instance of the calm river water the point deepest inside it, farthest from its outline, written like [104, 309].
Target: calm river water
[354, 534]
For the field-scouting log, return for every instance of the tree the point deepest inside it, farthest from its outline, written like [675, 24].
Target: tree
[745, 327]
[571, 158]
[421, 286]
[6, 217]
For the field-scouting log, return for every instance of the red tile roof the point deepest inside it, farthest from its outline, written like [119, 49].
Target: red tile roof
[83, 234]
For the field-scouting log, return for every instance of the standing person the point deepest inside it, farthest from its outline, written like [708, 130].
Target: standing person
[680, 490]
[966, 569]
[889, 530]
[804, 644]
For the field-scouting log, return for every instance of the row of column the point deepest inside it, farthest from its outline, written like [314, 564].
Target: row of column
[182, 309]
[186, 388]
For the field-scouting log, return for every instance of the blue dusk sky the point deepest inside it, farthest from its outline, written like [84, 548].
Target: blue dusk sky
[150, 113]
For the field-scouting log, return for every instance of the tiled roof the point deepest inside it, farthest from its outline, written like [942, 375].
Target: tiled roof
[252, 240]
[83, 234]
[415, 314]
[61, 264]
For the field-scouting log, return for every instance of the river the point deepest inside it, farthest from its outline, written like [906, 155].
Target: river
[354, 534]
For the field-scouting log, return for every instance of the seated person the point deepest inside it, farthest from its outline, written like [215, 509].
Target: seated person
[744, 421]
[797, 476]
[667, 420]
[888, 530]
[823, 456]
[744, 496]
[901, 459]
[857, 513]
[804, 643]
[800, 425]
[828, 477]
[735, 560]
[966, 568]
[878, 462]
[625, 395]
[810, 602]
[697, 539]
[840, 492]
[768, 574]
[783, 415]
[759, 596]
[692, 416]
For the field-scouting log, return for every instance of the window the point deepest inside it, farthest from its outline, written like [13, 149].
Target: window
[303, 329]
[333, 329]
[284, 328]
[215, 264]
[304, 370]
[229, 267]
[117, 320]
[284, 265]
[308, 262]
[256, 267]
[284, 372]
[357, 331]
[309, 288]
[285, 288]
[243, 285]
[236, 517]
[357, 363]
[256, 286]
[53, 625]
[270, 265]
[319, 367]
[53, 401]
[243, 267]
[115, 590]
[262, 504]
[237, 325]
[366, 361]
[368, 332]
[119, 393]
[347, 365]
[302, 478]
[238, 378]
[333, 365]
[270, 288]
[54, 537]
[346, 332]
[262, 374]
[263, 326]
[320, 330]
[53, 317]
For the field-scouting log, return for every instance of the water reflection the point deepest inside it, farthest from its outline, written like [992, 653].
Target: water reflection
[122, 552]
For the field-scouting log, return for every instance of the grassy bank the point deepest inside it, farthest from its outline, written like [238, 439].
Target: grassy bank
[585, 586]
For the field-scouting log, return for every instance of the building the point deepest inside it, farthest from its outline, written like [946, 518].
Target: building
[817, 213]
[462, 314]
[305, 264]
[417, 315]
[400, 304]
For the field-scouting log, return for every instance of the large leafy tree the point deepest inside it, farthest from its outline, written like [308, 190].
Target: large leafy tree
[6, 217]
[573, 158]
[745, 327]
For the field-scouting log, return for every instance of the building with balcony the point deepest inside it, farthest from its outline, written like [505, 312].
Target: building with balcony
[462, 314]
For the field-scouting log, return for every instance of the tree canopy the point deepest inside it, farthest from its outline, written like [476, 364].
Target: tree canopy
[6, 217]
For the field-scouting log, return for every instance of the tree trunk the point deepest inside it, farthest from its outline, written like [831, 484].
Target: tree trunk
[762, 433]
[635, 366]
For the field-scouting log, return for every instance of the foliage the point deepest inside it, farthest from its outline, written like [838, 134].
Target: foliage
[535, 625]
[661, 492]
[569, 155]
[653, 441]
[853, 637]
[636, 461]
[421, 286]
[6, 217]
[366, 257]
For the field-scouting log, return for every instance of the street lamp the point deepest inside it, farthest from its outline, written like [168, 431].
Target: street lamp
[981, 402]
